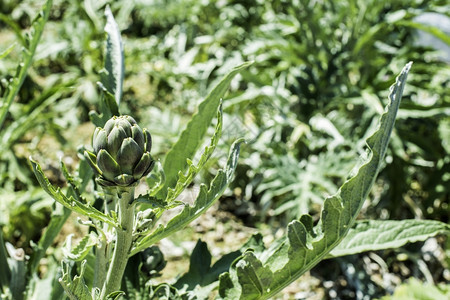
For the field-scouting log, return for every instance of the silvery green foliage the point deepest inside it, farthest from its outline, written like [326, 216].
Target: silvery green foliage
[121, 157]
[251, 272]
[264, 275]
[371, 235]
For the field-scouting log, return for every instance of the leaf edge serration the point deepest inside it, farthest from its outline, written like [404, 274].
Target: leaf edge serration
[290, 260]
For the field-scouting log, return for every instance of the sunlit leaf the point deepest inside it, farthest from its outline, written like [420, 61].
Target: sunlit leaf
[75, 288]
[205, 199]
[83, 247]
[192, 136]
[114, 61]
[374, 235]
[305, 246]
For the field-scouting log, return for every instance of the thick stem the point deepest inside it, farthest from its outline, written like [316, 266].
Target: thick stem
[124, 237]
[100, 265]
[103, 250]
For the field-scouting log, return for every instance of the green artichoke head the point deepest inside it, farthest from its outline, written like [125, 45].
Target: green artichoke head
[121, 154]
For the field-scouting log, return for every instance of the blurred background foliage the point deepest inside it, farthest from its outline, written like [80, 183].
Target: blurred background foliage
[318, 85]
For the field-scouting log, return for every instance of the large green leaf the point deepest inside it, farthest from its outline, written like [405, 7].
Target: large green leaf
[59, 217]
[192, 136]
[201, 273]
[184, 180]
[377, 235]
[113, 77]
[260, 278]
[204, 200]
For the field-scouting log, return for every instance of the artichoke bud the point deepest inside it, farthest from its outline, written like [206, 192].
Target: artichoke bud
[100, 139]
[138, 136]
[121, 154]
[148, 141]
[152, 261]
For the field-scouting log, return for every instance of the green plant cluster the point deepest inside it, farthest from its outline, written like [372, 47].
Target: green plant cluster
[313, 95]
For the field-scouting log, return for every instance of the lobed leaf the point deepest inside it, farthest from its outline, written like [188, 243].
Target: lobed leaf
[204, 200]
[75, 288]
[373, 235]
[192, 136]
[305, 246]
[80, 251]
[58, 218]
[69, 202]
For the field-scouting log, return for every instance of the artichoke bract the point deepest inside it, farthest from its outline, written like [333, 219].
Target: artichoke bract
[121, 154]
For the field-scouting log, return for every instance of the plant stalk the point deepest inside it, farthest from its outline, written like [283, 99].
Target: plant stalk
[101, 263]
[103, 251]
[124, 237]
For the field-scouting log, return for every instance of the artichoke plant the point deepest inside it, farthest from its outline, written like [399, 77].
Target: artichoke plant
[121, 154]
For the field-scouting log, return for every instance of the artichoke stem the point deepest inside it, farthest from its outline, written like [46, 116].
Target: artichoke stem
[103, 250]
[124, 237]
[101, 264]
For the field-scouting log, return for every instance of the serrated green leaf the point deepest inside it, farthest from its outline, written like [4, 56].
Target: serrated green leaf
[74, 191]
[255, 278]
[204, 200]
[76, 288]
[184, 180]
[69, 202]
[304, 247]
[377, 235]
[26, 122]
[80, 251]
[58, 218]
[156, 179]
[192, 136]
[114, 61]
